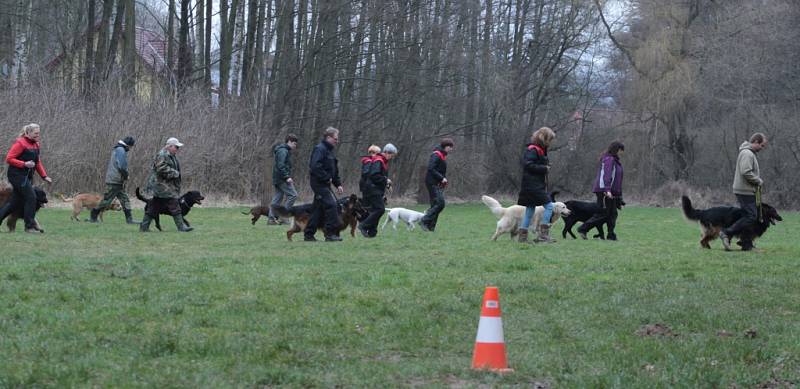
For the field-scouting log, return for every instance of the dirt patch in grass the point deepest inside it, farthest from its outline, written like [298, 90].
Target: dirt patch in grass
[657, 329]
[775, 383]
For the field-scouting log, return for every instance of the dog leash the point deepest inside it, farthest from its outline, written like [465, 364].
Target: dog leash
[758, 205]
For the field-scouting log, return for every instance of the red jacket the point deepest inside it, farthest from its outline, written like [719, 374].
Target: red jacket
[21, 151]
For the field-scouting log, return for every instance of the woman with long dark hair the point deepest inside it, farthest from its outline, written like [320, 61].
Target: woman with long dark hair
[608, 189]
[23, 159]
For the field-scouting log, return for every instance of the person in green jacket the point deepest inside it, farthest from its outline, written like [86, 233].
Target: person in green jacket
[116, 176]
[164, 183]
[282, 179]
[747, 184]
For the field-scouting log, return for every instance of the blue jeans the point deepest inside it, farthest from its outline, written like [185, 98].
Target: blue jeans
[548, 214]
[283, 189]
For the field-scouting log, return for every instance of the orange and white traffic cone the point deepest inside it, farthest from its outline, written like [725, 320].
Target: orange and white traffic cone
[490, 349]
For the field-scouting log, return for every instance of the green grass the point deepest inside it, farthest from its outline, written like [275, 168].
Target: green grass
[232, 305]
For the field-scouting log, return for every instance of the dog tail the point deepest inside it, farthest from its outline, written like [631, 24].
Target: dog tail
[245, 213]
[65, 199]
[688, 211]
[494, 206]
[139, 195]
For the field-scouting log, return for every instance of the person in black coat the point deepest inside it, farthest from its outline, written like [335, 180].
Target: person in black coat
[533, 191]
[436, 181]
[373, 184]
[324, 172]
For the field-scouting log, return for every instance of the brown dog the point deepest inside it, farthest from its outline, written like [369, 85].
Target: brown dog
[350, 211]
[88, 201]
[257, 212]
[5, 194]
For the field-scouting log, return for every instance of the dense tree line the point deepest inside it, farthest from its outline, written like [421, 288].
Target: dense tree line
[680, 82]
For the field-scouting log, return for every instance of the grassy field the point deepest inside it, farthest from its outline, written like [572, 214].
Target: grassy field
[235, 305]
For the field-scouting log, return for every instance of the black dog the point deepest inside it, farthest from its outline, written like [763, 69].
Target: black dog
[19, 211]
[581, 211]
[713, 220]
[187, 201]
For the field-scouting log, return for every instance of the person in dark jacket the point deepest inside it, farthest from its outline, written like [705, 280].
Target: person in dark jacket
[23, 159]
[282, 179]
[608, 190]
[436, 182]
[116, 176]
[164, 182]
[324, 172]
[533, 191]
[373, 184]
[747, 182]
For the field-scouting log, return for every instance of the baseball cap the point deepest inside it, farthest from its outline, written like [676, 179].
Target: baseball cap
[174, 142]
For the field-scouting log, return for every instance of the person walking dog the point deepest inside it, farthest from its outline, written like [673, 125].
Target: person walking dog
[533, 191]
[324, 172]
[374, 182]
[164, 183]
[282, 179]
[608, 190]
[747, 183]
[436, 182]
[116, 177]
[23, 159]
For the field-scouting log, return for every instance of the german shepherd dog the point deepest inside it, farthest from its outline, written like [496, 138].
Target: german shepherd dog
[713, 220]
[187, 201]
[350, 211]
[18, 213]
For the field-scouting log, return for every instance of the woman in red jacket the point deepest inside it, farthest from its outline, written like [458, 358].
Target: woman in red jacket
[23, 159]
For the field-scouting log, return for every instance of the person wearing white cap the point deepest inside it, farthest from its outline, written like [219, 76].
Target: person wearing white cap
[374, 182]
[164, 183]
[116, 176]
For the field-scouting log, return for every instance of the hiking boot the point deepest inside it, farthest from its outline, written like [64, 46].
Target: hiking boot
[180, 224]
[34, 230]
[424, 226]
[523, 235]
[333, 238]
[93, 216]
[543, 234]
[726, 240]
[129, 217]
[273, 222]
[363, 231]
[311, 238]
[611, 236]
[144, 226]
[582, 234]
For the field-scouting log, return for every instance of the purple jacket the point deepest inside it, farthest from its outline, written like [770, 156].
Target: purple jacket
[610, 175]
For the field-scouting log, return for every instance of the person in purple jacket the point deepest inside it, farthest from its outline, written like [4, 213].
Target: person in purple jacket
[608, 189]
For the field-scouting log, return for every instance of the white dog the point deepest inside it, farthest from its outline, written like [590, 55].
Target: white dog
[410, 217]
[511, 217]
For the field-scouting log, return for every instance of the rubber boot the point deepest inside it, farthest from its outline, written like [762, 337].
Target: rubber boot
[543, 235]
[145, 225]
[182, 227]
[129, 217]
[93, 216]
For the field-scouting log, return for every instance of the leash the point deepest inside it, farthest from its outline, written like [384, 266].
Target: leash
[758, 205]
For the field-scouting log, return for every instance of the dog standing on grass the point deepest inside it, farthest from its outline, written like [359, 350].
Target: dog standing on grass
[408, 216]
[511, 217]
[89, 201]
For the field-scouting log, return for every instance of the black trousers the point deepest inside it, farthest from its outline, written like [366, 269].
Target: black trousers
[325, 212]
[377, 208]
[437, 206]
[750, 217]
[23, 197]
[608, 216]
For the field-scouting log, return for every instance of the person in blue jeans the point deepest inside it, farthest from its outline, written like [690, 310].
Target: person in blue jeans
[282, 179]
[533, 191]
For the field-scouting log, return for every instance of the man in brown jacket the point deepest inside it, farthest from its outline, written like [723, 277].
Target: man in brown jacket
[746, 184]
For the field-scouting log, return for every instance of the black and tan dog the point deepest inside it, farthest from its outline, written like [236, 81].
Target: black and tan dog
[187, 201]
[18, 213]
[257, 212]
[713, 220]
[350, 211]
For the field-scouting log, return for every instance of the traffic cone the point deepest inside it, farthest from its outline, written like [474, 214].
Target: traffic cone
[490, 349]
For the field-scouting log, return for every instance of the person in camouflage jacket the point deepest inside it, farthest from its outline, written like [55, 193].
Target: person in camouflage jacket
[164, 183]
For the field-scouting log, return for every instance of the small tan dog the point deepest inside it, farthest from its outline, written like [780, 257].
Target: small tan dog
[88, 201]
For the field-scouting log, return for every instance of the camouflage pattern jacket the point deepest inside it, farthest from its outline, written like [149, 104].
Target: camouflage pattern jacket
[165, 177]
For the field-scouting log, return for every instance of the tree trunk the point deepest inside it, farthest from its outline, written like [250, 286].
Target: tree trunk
[116, 36]
[129, 48]
[89, 65]
[184, 51]
[171, 35]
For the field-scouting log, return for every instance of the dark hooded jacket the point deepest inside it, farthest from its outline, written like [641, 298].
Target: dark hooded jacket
[323, 166]
[533, 191]
[117, 170]
[282, 169]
